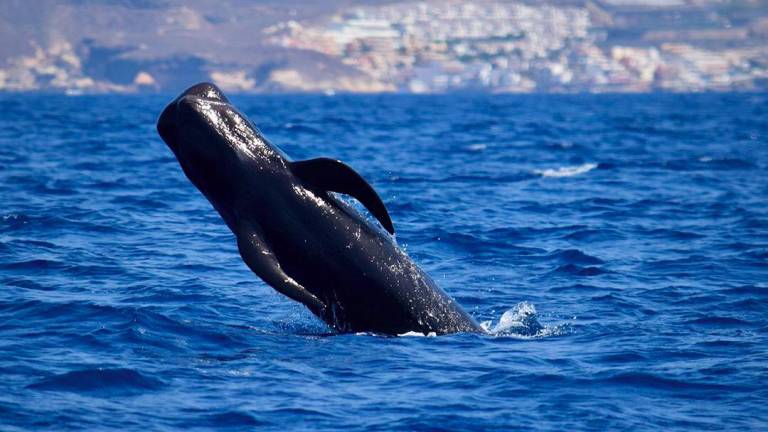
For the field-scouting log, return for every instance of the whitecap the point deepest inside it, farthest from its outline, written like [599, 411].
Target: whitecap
[566, 171]
[417, 334]
[477, 147]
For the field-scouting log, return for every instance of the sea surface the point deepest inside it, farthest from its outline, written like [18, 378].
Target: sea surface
[615, 246]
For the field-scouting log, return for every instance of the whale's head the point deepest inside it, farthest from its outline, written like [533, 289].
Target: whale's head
[187, 111]
[215, 144]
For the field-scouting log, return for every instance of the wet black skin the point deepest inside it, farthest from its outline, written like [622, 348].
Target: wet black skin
[296, 235]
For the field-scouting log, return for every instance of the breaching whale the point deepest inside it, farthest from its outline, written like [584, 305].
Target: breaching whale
[295, 234]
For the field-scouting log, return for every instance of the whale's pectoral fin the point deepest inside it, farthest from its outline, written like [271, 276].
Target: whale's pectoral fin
[260, 259]
[335, 176]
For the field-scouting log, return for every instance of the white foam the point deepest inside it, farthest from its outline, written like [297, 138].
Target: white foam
[521, 322]
[567, 171]
[516, 318]
[417, 334]
[477, 147]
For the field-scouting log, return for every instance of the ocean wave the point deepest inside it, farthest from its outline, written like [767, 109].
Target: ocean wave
[719, 321]
[644, 380]
[101, 381]
[567, 171]
[708, 163]
[576, 270]
[574, 256]
[226, 420]
[651, 273]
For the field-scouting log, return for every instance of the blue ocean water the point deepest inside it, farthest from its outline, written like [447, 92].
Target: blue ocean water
[617, 247]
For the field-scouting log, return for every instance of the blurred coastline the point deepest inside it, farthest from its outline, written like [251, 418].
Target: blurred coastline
[555, 46]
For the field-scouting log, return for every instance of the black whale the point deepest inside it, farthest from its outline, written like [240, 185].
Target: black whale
[294, 234]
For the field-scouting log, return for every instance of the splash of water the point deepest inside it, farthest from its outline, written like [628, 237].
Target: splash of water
[521, 321]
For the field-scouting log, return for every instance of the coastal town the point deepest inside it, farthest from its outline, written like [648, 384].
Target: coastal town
[514, 47]
[408, 47]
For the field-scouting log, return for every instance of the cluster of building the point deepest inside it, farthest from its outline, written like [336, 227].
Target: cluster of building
[513, 47]
[420, 47]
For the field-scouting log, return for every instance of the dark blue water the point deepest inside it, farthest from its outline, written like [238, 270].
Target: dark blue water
[617, 245]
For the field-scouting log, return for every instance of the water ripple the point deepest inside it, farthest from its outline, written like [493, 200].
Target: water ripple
[100, 381]
[614, 245]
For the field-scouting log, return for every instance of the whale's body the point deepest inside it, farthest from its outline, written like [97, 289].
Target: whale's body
[295, 234]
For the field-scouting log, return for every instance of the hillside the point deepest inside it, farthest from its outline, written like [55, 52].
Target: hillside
[88, 46]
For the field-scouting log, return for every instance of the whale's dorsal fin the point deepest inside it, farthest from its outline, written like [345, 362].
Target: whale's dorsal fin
[335, 176]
